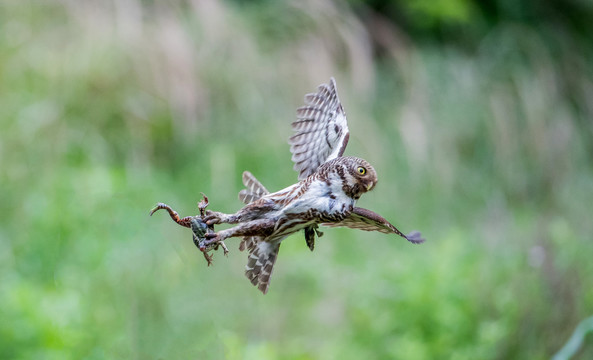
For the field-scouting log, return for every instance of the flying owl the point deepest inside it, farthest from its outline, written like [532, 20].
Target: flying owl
[326, 194]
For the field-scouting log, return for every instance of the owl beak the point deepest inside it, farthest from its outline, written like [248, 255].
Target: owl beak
[370, 186]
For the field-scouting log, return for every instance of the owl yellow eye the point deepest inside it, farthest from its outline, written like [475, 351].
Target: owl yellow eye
[361, 170]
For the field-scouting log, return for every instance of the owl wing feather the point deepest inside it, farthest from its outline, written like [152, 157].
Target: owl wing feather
[321, 130]
[254, 189]
[368, 220]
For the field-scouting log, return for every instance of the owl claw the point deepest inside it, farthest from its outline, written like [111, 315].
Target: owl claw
[210, 239]
[212, 217]
[211, 222]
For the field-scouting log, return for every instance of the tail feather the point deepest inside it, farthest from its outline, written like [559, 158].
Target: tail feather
[260, 264]
[254, 189]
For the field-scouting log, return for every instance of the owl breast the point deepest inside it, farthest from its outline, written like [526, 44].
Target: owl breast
[322, 201]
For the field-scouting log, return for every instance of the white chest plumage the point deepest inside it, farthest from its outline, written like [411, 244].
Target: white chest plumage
[328, 199]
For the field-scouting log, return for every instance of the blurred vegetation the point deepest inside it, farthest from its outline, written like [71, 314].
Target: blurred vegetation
[477, 116]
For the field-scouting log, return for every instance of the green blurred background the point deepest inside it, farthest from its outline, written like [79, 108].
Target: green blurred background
[477, 115]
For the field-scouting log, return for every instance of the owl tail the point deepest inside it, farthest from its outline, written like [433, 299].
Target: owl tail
[260, 264]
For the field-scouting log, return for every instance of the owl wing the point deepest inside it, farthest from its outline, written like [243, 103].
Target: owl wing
[321, 130]
[368, 220]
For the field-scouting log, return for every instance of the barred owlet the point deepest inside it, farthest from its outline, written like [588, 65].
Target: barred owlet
[326, 194]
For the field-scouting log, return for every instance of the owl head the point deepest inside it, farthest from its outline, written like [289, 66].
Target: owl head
[363, 176]
[355, 176]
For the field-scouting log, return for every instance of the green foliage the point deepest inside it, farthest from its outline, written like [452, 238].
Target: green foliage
[109, 107]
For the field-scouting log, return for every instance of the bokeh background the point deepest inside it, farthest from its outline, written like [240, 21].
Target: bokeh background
[477, 115]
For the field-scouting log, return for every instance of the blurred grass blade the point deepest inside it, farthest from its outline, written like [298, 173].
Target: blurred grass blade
[576, 340]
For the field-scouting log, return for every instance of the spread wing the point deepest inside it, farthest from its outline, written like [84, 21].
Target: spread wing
[368, 220]
[321, 130]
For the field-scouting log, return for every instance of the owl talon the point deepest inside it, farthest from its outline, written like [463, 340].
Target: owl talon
[210, 239]
[212, 217]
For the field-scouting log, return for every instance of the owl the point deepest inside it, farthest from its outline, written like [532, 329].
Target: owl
[329, 186]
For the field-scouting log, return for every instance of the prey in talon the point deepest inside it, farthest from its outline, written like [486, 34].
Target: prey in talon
[200, 229]
[198, 226]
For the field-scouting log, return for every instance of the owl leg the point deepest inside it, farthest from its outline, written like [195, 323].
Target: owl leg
[260, 227]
